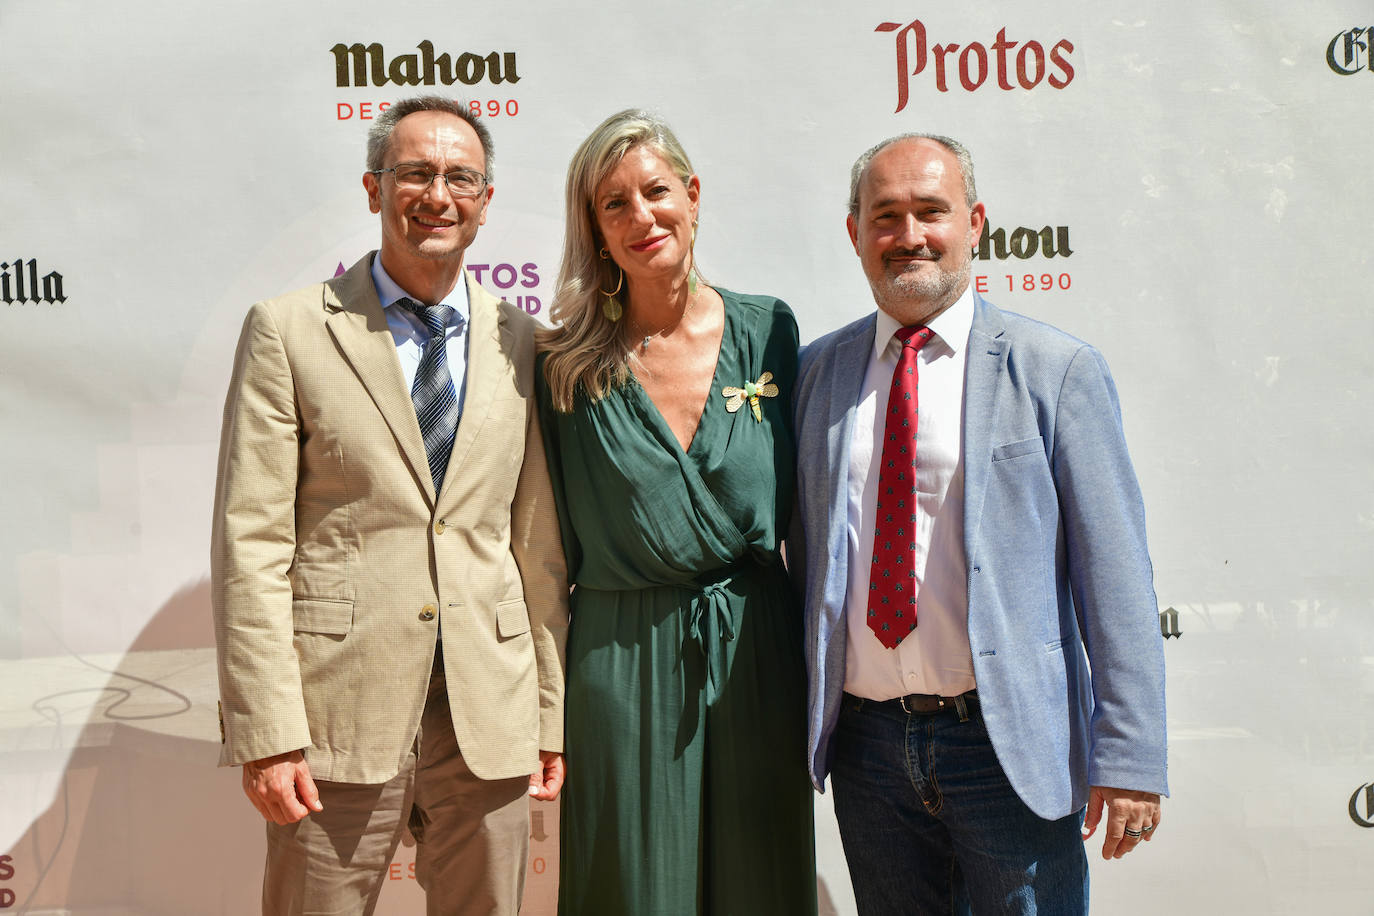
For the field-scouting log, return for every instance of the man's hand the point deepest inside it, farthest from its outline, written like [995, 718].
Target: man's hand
[1131, 817]
[281, 787]
[546, 784]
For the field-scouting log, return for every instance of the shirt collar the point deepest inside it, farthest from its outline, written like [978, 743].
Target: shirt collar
[951, 326]
[388, 291]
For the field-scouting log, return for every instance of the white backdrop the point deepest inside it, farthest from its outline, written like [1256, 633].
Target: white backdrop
[163, 165]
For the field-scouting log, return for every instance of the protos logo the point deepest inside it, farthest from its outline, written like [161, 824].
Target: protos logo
[973, 63]
[357, 64]
[1349, 52]
[1365, 819]
[1168, 624]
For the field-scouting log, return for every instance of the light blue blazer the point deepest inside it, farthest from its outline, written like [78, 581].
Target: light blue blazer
[1062, 619]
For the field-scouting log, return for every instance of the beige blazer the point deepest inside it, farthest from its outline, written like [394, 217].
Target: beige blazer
[335, 565]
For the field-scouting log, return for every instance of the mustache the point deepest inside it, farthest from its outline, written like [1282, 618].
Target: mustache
[921, 252]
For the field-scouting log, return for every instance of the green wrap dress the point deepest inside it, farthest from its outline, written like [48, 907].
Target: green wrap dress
[687, 790]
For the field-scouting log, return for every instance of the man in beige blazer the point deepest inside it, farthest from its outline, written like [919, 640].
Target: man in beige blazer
[391, 650]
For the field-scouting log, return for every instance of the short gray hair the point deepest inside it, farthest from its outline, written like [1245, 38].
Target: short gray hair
[961, 155]
[379, 134]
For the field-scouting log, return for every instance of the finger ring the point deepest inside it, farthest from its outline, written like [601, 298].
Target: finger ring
[1147, 829]
[1134, 834]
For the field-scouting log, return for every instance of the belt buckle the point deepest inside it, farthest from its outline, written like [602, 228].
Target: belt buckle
[939, 702]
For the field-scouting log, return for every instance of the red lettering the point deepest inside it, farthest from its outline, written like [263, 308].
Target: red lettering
[980, 284]
[345, 111]
[967, 81]
[365, 111]
[394, 872]
[1002, 46]
[918, 31]
[940, 52]
[1062, 63]
[1037, 50]
[974, 64]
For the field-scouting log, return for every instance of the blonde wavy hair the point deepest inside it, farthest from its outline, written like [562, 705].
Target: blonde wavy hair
[585, 347]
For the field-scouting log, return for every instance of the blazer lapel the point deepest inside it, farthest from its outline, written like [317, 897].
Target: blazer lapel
[488, 342]
[849, 361]
[360, 329]
[987, 360]
[846, 382]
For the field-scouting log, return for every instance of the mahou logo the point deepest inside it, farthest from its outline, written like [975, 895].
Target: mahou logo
[973, 64]
[367, 65]
[1349, 52]
[1022, 242]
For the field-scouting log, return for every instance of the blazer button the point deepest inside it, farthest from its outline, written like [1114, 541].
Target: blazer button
[427, 612]
[440, 527]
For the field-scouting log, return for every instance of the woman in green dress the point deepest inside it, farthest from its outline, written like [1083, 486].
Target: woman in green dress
[665, 405]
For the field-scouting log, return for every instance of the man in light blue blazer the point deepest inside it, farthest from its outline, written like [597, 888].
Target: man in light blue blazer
[986, 668]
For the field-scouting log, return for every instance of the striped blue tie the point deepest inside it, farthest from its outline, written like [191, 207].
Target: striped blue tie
[433, 394]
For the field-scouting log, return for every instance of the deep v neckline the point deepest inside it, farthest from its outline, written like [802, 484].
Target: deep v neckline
[655, 416]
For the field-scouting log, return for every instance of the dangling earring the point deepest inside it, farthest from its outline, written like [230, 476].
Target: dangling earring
[692, 276]
[610, 306]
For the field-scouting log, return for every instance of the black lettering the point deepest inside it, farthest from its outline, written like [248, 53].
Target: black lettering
[52, 288]
[989, 239]
[364, 58]
[1354, 806]
[405, 70]
[1050, 248]
[5, 284]
[435, 68]
[502, 72]
[1024, 242]
[471, 68]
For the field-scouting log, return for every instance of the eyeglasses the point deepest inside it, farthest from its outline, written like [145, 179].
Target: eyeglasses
[461, 182]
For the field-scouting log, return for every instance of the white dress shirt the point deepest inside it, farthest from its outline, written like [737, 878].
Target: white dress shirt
[411, 334]
[935, 657]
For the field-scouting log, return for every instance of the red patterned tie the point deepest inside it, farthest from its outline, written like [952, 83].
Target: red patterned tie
[892, 578]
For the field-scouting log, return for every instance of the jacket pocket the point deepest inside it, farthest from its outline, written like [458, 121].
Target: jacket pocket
[1018, 448]
[512, 618]
[332, 616]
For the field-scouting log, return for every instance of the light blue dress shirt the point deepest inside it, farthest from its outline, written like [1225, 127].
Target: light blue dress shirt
[410, 333]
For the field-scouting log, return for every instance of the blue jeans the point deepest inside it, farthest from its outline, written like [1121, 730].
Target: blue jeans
[930, 823]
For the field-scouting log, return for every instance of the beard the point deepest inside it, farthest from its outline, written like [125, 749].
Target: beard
[919, 292]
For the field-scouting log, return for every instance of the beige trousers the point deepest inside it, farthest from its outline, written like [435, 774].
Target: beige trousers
[471, 835]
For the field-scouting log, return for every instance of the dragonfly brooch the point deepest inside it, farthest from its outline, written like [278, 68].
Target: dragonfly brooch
[751, 391]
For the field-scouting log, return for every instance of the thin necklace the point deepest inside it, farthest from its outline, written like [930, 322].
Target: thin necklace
[644, 343]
